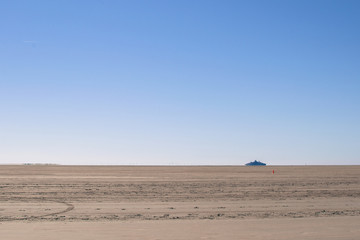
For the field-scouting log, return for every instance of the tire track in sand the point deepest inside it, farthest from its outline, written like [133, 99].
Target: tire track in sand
[68, 209]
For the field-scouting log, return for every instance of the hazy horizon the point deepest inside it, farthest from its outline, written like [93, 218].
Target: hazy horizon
[174, 165]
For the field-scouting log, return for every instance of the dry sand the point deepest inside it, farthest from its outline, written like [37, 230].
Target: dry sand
[120, 202]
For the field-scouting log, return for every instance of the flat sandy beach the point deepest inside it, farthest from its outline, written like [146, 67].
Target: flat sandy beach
[230, 202]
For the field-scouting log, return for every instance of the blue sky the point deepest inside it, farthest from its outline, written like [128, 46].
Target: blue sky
[180, 82]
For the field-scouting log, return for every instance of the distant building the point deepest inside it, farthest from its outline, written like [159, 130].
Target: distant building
[255, 163]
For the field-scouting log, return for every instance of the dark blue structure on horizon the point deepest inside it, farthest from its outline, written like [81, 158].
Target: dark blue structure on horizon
[255, 163]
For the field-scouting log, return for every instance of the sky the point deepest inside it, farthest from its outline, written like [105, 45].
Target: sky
[180, 82]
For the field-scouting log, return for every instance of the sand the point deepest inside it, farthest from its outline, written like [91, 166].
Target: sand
[126, 202]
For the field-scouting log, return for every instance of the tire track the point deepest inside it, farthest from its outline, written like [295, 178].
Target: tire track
[69, 208]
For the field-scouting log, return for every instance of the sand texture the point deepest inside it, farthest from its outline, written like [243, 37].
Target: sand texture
[124, 202]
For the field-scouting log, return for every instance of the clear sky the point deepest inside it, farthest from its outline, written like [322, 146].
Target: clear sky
[180, 82]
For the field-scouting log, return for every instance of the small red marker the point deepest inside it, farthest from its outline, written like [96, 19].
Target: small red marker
[273, 171]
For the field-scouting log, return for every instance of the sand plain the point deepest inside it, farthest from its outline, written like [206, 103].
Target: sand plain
[199, 202]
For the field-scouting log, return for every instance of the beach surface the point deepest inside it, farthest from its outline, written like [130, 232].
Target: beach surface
[199, 202]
